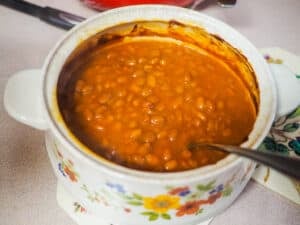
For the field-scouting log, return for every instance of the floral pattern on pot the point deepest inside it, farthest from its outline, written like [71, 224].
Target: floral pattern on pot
[284, 136]
[78, 208]
[176, 201]
[66, 167]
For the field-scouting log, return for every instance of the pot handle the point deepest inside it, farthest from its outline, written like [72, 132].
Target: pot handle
[23, 98]
[288, 89]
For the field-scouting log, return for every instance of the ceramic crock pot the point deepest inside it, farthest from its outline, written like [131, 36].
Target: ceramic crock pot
[125, 196]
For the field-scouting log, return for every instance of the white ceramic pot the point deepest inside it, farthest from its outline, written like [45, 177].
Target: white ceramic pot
[124, 196]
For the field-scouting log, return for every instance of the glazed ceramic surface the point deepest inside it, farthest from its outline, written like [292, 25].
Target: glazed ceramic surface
[124, 196]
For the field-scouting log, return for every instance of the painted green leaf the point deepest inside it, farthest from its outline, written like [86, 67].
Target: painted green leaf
[196, 195]
[137, 196]
[199, 211]
[153, 217]
[148, 213]
[269, 143]
[166, 216]
[135, 203]
[295, 113]
[206, 187]
[290, 127]
[227, 191]
[169, 187]
[295, 145]
[127, 197]
[281, 148]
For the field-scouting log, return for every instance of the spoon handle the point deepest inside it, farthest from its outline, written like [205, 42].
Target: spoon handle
[285, 164]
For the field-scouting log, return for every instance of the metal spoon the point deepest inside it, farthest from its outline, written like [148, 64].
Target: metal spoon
[287, 165]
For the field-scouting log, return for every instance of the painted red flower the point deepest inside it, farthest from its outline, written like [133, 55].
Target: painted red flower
[127, 210]
[211, 199]
[181, 191]
[188, 208]
[59, 154]
[70, 174]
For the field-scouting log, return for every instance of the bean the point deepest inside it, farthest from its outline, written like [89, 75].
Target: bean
[86, 89]
[131, 62]
[155, 53]
[158, 73]
[144, 149]
[132, 124]
[153, 99]
[118, 126]
[210, 126]
[146, 92]
[107, 85]
[157, 120]
[147, 68]
[141, 60]
[110, 118]
[134, 88]
[186, 154]
[98, 78]
[193, 84]
[201, 116]
[167, 154]
[148, 137]
[79, 85]
[197, 123]
[188, 98]
[154, 61]
[99, 88]
[160, 107]
[162, 134]
[119, 103]
[227, 132]
[138, 73]
[104, 98]
[121, 93]
[163, 62]
[187, 78]
[135, 133]
[151, 81]
[200, 103]
[172, 135]
[179, 116]
[87, 115]
[209, 106]
[122, 79]
[179, 90]
[129, 97]
[138, 159]
[192, 163]
[79, 108]
[110, 55]
[152, 159]
[99, 127]
[140, 81]
[220, 104]
[177, 103]
[170, 165]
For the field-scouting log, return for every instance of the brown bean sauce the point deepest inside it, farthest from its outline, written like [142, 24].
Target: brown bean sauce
[139, 101]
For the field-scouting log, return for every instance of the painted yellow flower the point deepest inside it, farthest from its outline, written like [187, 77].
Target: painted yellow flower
[161, 203]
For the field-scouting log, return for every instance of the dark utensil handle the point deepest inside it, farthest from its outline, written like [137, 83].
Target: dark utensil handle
[50, 15]
[285, 164]
[60, 18]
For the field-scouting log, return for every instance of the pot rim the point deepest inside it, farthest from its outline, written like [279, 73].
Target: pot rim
[59, 129]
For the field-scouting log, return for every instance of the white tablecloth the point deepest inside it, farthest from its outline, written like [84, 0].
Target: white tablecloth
[27, 183]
